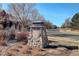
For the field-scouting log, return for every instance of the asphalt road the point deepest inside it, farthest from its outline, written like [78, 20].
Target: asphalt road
[54, 33]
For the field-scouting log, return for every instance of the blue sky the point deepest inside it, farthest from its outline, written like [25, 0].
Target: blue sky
[56, 12]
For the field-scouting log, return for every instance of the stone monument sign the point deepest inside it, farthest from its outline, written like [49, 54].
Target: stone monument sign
[39, 36]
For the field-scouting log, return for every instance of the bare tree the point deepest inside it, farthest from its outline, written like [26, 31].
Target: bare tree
[21, 11]
[66, 24]
[25, 13]
[36, 15]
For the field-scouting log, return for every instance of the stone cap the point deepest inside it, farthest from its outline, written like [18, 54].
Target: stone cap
[37, 21]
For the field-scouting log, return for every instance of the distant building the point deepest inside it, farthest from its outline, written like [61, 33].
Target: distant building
[9, 21]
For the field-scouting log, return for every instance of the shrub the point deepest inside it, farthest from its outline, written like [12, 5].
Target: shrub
[22, 36]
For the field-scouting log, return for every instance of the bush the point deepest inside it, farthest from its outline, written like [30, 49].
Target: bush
[22, 36]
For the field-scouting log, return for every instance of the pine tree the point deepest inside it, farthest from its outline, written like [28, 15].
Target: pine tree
[75, 21]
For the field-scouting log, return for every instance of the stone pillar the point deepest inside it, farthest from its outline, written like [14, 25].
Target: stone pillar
[39, 36]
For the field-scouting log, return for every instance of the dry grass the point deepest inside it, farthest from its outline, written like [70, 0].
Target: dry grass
[76, 32]
[75, 53]
[64, 41]
[12, 52]
[21, 49]
[3, 41]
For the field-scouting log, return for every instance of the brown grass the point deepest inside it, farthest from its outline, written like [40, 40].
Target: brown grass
[24, 50]
[19, 49]
[12, 52]
[69, 31]
[64, 41]
[3, 41]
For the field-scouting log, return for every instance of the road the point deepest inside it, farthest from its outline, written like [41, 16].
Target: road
[62, 34]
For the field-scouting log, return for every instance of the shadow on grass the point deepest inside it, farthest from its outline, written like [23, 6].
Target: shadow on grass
[67, 47]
